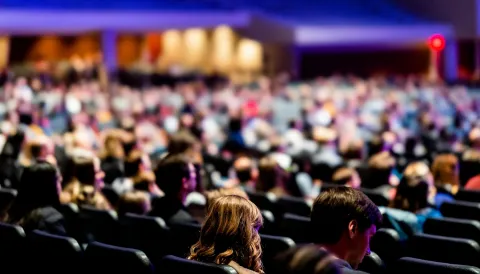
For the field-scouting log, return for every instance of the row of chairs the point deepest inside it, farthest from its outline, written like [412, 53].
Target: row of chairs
[41, 252]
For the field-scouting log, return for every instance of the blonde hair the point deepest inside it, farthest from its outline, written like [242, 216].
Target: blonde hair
[230, 233]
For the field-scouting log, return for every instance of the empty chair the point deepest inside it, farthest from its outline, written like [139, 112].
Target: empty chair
[272, 246]
[102, 258]
[172, 264]
[7, 195]
[149, 234]
[296, 227]
[412, 265]
[444, 249]
[12, 247]
[294, 205]
[99, 225]
[468, 195]
[372, 264]
[386, 244]
[461, 210]
[449, 227]
[182, 237]
[52, 254]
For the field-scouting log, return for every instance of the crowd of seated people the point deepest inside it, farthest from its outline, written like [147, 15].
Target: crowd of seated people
[192, 153]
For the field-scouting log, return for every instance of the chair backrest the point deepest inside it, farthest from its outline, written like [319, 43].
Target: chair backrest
[378, 198]
[461, 210]
[12, 247]
[449, 227]
[262, 201]
[413, 265]
[269, 224]
[272, 246]
[103, 258]
[444, 249]
[100, 225]
[7, 196]
[294, 205]
[111, 195]
[149, 234]
[468, 195]
[182, 237]
[296, 227]
[386, 243]
[372, 264]
[52, 253]
[71, 214]
[172, 264]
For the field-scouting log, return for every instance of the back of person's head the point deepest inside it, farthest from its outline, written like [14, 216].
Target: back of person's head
[175, 176]
[137, 202]
[307, 259]
[352, 150]
[182, 142]
[112, 146]
[346, 177]
[217, 193]
[144, 181]
[84, 169]
[414, 188]
[129, 142]
[380, 167]
[230, 233]
[39, 187]
[244, 169]
[133, 163]
[445, 170]
[270, 175]
[335, 209]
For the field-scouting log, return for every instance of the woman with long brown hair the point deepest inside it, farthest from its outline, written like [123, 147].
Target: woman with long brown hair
[230, 235]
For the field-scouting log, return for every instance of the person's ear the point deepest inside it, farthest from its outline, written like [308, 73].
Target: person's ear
[352, 229]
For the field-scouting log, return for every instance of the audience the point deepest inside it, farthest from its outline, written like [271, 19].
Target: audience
[347, 177]
[137, 202]
[343, 221]
[272, 178]
[445, 173]
[246, 173]
[230, 235]
[36, 206]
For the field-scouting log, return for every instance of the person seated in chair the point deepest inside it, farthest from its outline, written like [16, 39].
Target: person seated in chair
[176, 177]
[347, 177]
[36, 206]
[230, 235]
[343, 221]
[413, 202]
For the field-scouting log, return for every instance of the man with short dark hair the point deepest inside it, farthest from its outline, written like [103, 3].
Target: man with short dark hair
[246, 173]
[343, 221]
[176, 177]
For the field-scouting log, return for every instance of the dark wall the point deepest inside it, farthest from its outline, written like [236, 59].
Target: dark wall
[364, 62]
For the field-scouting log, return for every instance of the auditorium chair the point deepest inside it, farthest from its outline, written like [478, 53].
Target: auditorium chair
[102, 258]
[413, 265]
[386, 244]
[172, 264]
[262, 201]
[52, 254]
[182, 237]
[111, 195]
[12, 248]
[296, 227]
[272, 246]
[149, 234]
[293, 205]
[376, 197]
[461, 210]
[468, 195]
[269, 223]
[100, 225]
[372, 264]
[7, 196]
[71, 214]
[444, 249]
[449, 227]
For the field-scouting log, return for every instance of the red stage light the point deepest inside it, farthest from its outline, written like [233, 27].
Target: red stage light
[436, 42]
